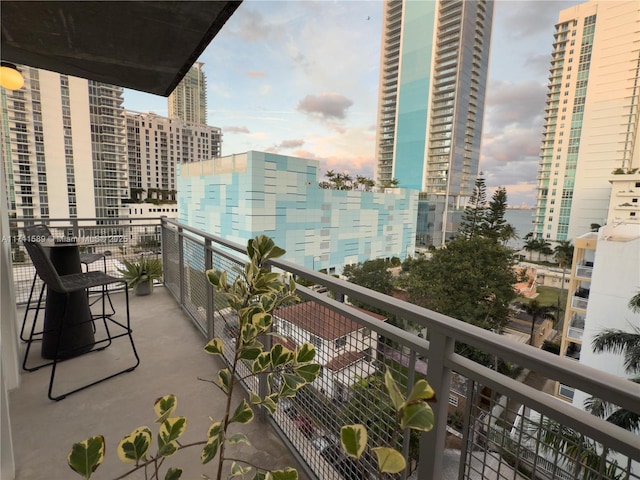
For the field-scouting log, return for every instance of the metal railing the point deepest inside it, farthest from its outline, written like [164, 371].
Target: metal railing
[118, 239]
[508, 430]
[584, 271]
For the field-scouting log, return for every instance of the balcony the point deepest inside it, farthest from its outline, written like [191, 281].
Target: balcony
[580, 298]
[584, 269]
[576, 326]
[171, 326]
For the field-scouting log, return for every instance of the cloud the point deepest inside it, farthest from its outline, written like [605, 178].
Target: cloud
[327, 106]
[256, 74]
[286, 145]
[532, 18]
[291, 143]
[233, 129]
[515, 104]
[251, 26]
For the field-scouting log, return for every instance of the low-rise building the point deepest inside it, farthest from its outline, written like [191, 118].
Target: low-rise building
[240, 196]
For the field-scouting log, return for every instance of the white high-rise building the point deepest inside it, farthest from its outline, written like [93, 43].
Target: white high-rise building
[156, 144]
[433, 73]
[605, 274]
[591, 115]
[63, 147]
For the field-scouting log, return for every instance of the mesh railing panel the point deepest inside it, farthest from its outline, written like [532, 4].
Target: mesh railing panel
[506, 439]
[171, 260]
[119, 240]
[195, 282]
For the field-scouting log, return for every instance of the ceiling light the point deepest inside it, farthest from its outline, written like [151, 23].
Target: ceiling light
[10, 76]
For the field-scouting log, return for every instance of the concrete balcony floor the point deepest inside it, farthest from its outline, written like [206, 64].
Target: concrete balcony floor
[171, 361]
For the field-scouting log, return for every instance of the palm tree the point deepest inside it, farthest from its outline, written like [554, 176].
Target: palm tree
[508, 233]
[563, 253]
[582, 455]
[536, 310]
[532, 245]
[627, 344]
[544, 248]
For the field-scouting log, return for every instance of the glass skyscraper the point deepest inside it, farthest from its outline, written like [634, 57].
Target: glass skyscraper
[434, 61]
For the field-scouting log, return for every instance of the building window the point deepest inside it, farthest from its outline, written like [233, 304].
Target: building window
[341, 342]
[315, 341]
[453, 400]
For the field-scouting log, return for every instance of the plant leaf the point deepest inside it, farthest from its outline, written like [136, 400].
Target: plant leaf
[254, 398]
[170, 430]
[210, 450]
[243, 413]
[394, 392]
[293, 381]
[270, 404]
[418, 416]
[280, 355]
[225, 379]
[134, 447]
[215, 430]
[86, 456]
[164, 407]
[260, 476]
[354, 440]
[308, 372]
[261, 363]
[389, 460]
[251, 351]
[214, 277]
[421, 391]
[173, 474]
[286, 474]
[214, 347]
[306, 353]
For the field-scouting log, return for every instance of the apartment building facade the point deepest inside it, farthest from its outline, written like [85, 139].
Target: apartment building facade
[591, 115]
[188, 101]
[156, 144]
[433, 72]
[605, 274]
[239, 196]
[63, 147]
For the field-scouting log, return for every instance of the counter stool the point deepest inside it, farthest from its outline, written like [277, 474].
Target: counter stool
[67, 284]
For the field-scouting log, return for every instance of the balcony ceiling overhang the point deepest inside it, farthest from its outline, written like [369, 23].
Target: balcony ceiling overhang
[143, 45]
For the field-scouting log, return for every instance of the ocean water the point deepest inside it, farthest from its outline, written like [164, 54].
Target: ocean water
[521, 221]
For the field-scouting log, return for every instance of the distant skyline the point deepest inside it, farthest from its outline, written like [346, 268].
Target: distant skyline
[301, 78]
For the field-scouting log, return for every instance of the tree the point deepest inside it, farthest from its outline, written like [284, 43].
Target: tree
[536, 310]
[493, 223]
[475, 211]
[393, 183]
[627, 344]
[531, 245]
[471, 280]
[372, 274]
[544, 248]
[508, 233]
[563, 253]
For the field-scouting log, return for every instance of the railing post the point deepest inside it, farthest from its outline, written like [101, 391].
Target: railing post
[181, 264]
[439, 377]
[208, 265]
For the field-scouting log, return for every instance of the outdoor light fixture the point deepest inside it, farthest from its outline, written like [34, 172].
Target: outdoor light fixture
[10, 76]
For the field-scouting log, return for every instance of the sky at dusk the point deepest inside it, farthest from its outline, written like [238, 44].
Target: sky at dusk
[301, 78]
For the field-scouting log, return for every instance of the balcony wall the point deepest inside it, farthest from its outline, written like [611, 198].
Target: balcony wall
[501, 434]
